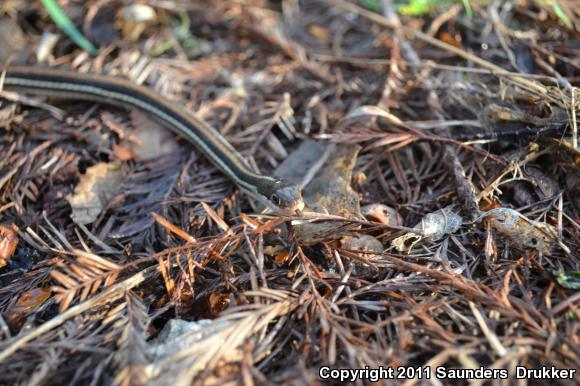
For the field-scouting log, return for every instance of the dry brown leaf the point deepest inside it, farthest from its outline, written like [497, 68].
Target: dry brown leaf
[433, 227]
[522, 231]
[30, 301]
[8, 243]
[96, 187]
[149, 139]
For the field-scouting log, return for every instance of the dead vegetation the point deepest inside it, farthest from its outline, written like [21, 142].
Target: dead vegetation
[474, 117]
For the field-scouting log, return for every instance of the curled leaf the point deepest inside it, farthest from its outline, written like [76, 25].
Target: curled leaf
[432, 227]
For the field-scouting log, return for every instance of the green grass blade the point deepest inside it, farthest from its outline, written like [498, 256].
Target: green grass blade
[561, 15]
[65, 24]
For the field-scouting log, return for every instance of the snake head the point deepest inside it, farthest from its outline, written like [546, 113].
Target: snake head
[287, 196]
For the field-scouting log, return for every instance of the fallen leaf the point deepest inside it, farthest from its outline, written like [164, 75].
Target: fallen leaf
[149, 139]
[8, 243]
[27, 303]
[30, 300]
[432, 227]
[95, 189]
[522, 231]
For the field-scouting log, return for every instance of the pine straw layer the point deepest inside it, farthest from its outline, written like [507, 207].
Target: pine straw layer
[176, 243]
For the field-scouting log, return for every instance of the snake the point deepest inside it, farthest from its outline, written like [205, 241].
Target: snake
[277, 193]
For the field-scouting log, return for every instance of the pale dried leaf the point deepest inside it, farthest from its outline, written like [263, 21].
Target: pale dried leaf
[149, 139]
[95, 189]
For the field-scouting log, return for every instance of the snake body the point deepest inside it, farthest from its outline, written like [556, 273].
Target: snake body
[278, 193]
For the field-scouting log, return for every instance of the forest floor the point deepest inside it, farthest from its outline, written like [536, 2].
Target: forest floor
[442, 228]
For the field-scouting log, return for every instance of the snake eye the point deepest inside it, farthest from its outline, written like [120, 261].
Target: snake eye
[286, 196]
[276, 200]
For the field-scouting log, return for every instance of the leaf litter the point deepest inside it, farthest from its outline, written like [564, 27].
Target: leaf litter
[475, 113]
